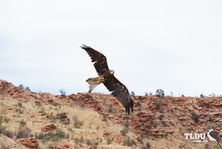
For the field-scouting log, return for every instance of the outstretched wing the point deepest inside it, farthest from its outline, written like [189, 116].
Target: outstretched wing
[98, 58]
[118, 90]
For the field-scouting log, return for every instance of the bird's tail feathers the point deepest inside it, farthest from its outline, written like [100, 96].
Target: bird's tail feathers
[93, 82]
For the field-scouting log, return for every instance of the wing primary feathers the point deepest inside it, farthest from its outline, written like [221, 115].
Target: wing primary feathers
[85, 47]
[98, 59]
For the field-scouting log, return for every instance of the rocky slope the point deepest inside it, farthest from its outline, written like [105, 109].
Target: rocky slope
[42, 120]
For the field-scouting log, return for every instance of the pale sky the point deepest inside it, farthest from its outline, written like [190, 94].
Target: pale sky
[175, 45]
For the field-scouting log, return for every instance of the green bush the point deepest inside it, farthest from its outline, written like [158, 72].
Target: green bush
[19, 104]
[23, 133]
[128, 142]
[109, 140]
[53, 136]
[158, 104]
[2, 129]
[194, 116]
[78, 124]
[139, 106]
[19, 110]
[160, 93]
[55, 104]
[62, 116]
[111, 108]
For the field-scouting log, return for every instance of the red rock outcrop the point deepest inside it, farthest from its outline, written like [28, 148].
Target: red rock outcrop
[29, 142]
[47, 128]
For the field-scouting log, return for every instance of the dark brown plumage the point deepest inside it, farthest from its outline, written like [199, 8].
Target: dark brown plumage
[106, 76]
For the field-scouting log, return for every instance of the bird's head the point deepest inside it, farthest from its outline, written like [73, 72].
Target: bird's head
[208, 128]
[111, 72]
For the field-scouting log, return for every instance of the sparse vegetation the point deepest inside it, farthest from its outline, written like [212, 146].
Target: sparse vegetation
[38, 103]
[1, 91]
[77, 123]
[79, 140]
[62, 115]
[109, 140]
[124, 131]
[88, 96]
[54, 136]
[188, 129]
[207, 146]
[89, 142]
[163, 123]
[144, 133]
[128, 142]
[111, 108]
[62, 92]
[55, 103]
[2, 129]
[1, 119]
[23, 132]
[132, 93]
[22, 123]
[212, 95]
[139, 106]
[139, 139]
[19, 110]
[194, 116]
[160, 93]
[158, 104]
[52, 118]
[18, 107]
[202, 96]
[148, 146]
[78, 98]
[21, 86]
[27, 88]
[19, 104]
[154, 125]
[70, 129]
[76, 140]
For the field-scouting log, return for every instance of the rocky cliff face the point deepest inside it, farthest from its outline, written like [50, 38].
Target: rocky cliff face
[42, 120]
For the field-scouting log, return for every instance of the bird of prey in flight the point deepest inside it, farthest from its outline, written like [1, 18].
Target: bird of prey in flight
[106, 76]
